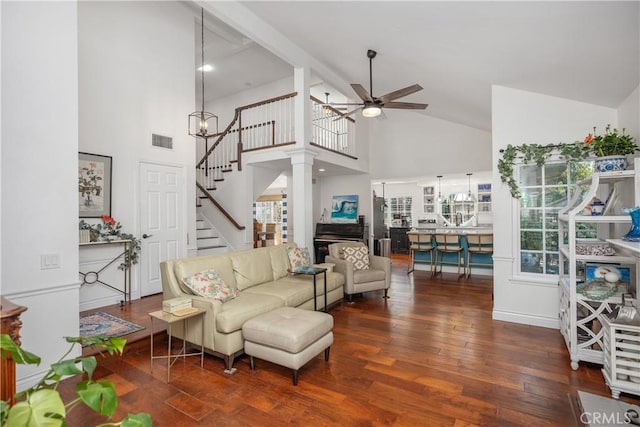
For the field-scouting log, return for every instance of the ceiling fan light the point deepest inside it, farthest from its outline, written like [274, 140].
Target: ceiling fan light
[371, 111]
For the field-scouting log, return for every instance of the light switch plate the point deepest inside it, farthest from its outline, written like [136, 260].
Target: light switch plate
[49, 261]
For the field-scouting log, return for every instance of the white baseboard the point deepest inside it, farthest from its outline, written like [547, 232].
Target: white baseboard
[526, 319]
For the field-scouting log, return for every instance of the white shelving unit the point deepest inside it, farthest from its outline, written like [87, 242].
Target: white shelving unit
[581, 317]
[429, 203]
[621, 357]
[484, 198]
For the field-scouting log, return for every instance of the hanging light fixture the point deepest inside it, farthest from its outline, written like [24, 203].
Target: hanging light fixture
[371, 109]
[469, 195]
[327, 109]
[439, 192]
[199, 120]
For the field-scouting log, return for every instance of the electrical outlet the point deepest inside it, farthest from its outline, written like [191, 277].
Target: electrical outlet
[49, 261]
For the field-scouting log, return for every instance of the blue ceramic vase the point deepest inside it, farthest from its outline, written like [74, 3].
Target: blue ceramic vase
[634, 234]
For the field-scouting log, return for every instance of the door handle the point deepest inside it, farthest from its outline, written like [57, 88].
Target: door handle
[146, 236]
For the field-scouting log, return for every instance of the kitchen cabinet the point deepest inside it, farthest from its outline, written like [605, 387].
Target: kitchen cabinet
[399, 239]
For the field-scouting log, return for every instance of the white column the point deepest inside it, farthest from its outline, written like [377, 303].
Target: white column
[302, 121]
[300, 203]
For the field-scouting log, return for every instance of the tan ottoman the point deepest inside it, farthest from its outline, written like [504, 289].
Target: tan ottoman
[288, 337]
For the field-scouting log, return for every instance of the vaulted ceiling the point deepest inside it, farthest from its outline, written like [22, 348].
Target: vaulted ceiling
[583, 50]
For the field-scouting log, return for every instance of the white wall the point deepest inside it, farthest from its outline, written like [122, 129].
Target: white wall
[39, 174]
[629, 114]
[524, 117]
[409, 144]
[136, 77]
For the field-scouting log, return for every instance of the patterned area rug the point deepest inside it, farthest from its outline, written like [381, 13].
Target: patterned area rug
[100, 323]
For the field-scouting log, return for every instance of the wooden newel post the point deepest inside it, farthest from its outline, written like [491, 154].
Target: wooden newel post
[11, 323]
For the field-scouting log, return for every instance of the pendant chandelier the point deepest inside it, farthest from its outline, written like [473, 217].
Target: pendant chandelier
[199, 121]
[469, 195]
[439, 192]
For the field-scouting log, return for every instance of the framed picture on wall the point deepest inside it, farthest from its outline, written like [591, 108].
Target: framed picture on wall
[94, 185]
[345, 208]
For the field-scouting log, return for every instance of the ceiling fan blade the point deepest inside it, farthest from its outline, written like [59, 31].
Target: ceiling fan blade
[342, 116]
[362, 92]
[405, 105]
[399, 93]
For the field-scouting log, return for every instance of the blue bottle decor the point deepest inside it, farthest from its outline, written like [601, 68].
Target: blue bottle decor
[634, 234]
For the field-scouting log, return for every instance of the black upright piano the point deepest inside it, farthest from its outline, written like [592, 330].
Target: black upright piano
[328, 233]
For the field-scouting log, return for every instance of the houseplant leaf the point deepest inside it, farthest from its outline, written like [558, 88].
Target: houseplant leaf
[20, 356]
[137, 420]
[99, 396]
[38, 410]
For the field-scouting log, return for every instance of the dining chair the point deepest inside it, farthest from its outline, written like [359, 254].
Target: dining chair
[420, 242]
[448, 244]
[479, 244]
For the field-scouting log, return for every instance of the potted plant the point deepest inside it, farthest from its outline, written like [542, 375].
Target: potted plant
[42, 404]
[610, 149]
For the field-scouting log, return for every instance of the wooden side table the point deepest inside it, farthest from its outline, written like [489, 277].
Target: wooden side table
[11, 324]
[170, 319]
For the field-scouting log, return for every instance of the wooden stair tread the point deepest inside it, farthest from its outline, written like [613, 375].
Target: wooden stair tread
[212, 247]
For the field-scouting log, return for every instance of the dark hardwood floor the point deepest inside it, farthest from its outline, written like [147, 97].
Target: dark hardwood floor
[430, 355]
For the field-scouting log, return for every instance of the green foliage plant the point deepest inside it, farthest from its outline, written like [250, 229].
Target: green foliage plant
[110, 229]
[538, 154]
[611, 143]
[42, 406]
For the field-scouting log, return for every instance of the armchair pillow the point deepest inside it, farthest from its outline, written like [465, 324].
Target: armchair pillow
[209, 284]
[357, 255]
[299, 257]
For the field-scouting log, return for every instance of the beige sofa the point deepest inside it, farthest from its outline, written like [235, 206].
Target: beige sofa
[260, 275]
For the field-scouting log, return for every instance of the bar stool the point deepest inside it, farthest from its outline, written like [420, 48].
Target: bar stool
[448, 243]
[478, 244]
[420, 242]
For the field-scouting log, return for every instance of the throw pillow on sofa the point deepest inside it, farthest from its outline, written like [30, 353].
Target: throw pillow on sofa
[209, 284]
[357, 255]
[299, 257]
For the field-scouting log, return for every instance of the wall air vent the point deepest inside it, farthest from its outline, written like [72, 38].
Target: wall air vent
[162, 141]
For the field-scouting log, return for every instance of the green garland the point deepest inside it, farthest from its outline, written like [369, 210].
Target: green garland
[539, 154]
[110, 229]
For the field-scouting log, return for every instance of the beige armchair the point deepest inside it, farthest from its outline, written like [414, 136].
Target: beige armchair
[377, 276]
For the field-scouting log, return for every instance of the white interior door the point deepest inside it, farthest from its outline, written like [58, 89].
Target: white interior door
[162, 201]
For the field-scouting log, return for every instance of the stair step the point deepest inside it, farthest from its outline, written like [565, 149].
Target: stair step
[227, 170]
[218, 180]
[212, 247]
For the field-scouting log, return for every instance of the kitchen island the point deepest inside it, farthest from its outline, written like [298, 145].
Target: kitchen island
[482, 261]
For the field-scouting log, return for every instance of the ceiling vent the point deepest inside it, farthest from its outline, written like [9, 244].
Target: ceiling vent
[162, 141]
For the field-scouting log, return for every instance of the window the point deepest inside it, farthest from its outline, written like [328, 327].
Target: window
[269, 212]
[545, 190]
[399, 209]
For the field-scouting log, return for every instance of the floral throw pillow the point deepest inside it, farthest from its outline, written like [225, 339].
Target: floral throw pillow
[299, 257]
[357, 255]
[209, 284]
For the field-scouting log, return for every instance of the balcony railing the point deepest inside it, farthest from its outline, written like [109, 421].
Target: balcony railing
[267, 124]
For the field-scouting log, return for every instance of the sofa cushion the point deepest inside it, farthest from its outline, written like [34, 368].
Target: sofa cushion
[209, 284]
[292, 292]
[358, 256]
[220, 263]
[365, 276]
[247, 306]
[251, 267]
[299, 257]
[279, 261]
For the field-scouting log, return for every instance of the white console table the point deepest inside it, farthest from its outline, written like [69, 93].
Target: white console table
[96, 276]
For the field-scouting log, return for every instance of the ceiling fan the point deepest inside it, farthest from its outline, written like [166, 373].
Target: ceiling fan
[372, 106]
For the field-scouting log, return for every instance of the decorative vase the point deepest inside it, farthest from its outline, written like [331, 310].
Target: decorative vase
[610, 163]
[634, 234]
